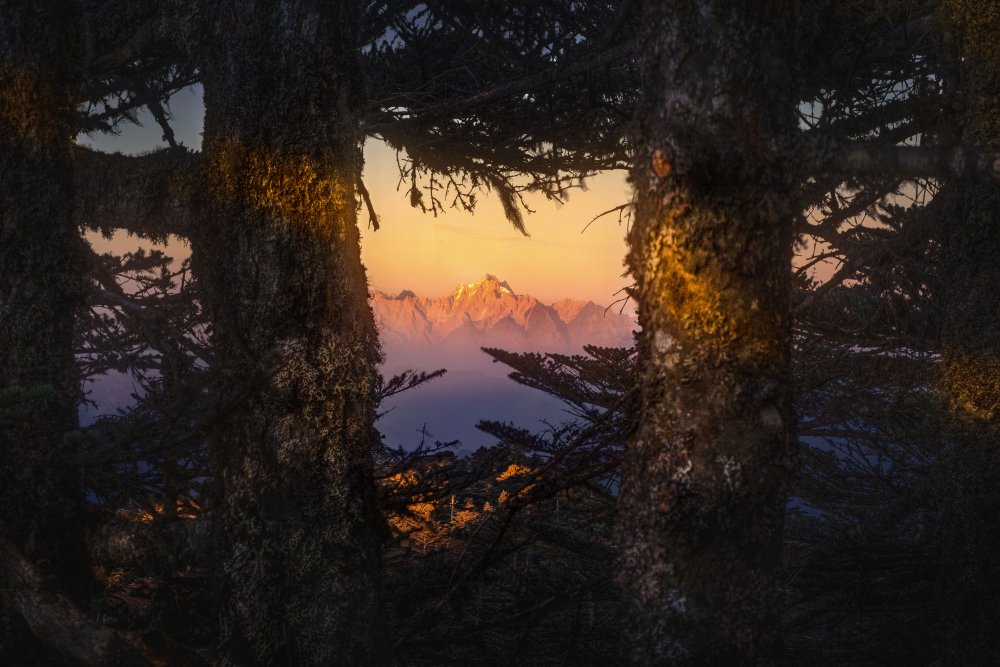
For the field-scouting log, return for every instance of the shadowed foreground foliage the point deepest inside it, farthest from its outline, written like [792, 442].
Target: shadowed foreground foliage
[214, 519]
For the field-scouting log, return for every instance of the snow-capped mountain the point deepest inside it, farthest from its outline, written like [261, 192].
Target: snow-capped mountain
[489, 312]
[447, 332]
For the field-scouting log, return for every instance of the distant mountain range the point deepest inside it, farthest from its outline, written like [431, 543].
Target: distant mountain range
[447, 331]
[489, 313]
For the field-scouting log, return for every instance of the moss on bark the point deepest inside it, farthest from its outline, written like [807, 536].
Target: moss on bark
[40, 289]
[280, 259]
[707, 470]
[970, 369]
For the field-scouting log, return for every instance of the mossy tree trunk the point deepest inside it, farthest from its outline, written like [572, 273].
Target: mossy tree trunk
[41, 502]
[970, 378]
[707, 470]
[294, 334]
[970, 384]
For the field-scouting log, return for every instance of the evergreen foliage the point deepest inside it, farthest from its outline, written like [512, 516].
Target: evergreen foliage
[247, 482]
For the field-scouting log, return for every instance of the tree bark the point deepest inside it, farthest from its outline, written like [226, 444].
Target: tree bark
[970, 377]
[41, 502]
[707, 470]
[278, 250]
[970, 385]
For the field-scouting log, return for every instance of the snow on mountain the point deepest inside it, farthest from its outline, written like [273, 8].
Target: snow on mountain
[489, 312]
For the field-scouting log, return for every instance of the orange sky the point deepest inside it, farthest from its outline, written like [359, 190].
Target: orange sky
[429, 255]
[432, 255]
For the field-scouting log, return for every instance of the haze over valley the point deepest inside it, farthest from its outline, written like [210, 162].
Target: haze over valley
[448, 331]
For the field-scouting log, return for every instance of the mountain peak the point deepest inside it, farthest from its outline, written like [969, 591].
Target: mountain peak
[488, 280]
[488, 312]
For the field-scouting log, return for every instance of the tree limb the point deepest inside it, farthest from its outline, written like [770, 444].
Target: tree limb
[139, 42]
[381, 119]
[886, 45]
[366, 197]
[917, 161]
[149, 195]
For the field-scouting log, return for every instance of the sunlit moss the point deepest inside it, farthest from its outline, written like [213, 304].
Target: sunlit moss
[185, 509]
[974, 26]
[702, 296]
[291, 188]
[436, 520]
[971, 371]
[27, 101]
[973, 384]
[513, 470]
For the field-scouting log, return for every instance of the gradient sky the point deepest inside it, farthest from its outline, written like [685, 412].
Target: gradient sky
[416, 251]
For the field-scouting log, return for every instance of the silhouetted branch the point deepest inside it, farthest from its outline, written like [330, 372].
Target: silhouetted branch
[406, 380]
[149, 195]
[367, 199]
[917, 161]
[516, 87]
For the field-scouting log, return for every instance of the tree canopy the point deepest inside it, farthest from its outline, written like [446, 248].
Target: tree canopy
[797, 454]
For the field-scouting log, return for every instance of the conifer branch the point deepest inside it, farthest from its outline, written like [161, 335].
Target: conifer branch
[149, 195]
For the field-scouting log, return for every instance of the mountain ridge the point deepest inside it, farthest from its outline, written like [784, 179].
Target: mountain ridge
[488, 312]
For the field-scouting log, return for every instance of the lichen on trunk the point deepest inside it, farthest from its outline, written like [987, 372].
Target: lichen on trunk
[41, 501]
[280, 260]
[970, 354]
[707, 470]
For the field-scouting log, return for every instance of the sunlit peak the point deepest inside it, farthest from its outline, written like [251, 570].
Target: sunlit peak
[488, 279]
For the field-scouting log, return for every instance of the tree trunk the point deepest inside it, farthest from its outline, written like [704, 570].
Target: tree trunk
[970, 386]
[41, 502]
[294, 335]
[707, 470]
[970, 378]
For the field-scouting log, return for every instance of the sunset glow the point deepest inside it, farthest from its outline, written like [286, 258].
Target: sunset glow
[431, 255]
